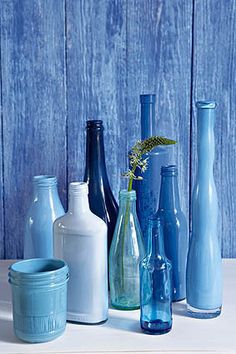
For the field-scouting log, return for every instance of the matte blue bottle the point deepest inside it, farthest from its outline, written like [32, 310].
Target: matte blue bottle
[155, 284]
[101, 200]
[45, 208]
[204, 265]
[148, 189]
[174, 229]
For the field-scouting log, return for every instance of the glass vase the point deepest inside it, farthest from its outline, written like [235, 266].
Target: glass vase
[126, 251]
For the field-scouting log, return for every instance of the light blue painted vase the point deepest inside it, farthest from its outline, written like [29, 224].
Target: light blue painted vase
[39, 298]
[148, 189]
[204, 268]
[45, 208]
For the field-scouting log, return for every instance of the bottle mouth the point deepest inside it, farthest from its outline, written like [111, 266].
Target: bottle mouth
[147, 98]
[78, 188]
[94, 124]
[124, 194]
[169, 170]
[208, 104]
[45, 181]
[154, 221]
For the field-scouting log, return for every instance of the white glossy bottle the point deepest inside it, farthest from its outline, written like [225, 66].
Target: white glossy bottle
[80, 238]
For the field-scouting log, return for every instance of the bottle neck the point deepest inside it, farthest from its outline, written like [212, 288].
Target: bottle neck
[95, 155]
[205, 140]
[169, 193]
[78, 204]
[148, 125]
[155, 239]
[45, 187]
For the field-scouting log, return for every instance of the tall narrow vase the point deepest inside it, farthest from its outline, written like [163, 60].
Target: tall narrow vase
[174, 229]
[148, 189]
[204, 268]
[101, 200]
[45, 208]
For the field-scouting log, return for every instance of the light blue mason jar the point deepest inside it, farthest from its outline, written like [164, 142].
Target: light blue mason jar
[39, 298]
[45, 208]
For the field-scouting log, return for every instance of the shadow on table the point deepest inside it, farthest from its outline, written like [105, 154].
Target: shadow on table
[179, 309]
[124, 324]
[6, 332]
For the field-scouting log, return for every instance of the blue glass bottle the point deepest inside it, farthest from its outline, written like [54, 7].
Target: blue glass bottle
[45, 208]
[155, 284]
[148, 189]
[101, 200]
[204, 266]
[174, 229]
[126, 251]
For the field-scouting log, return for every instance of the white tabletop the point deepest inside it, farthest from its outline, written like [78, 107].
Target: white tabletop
[122, 334]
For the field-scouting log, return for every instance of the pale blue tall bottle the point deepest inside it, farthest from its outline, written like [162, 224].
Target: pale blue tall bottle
[148, 189]
[45, 208]
[204, 265]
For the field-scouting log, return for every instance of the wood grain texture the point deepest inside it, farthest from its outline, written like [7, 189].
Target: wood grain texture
[159, 48]
[96, 84]
[214, 73]
[33, 103]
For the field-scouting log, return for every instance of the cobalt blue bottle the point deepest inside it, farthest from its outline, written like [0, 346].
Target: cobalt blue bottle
[204, 265]
[148, 189]
[101, 200]
[155, 284]
[174, 229]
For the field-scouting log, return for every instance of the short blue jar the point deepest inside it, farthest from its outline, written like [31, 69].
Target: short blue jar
[39, 298]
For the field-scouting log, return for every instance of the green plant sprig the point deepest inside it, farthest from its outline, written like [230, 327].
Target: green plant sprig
[137, 159]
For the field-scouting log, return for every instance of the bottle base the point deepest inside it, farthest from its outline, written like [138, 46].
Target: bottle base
[155, 327]
[203, 314]
[124, 308]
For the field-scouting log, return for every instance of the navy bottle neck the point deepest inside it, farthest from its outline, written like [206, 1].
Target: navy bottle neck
[155, 239]
[95, 154]
[148, 125]
[169, 192]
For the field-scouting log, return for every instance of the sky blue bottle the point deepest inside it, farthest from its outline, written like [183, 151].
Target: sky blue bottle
[148, 189]
[101, 200]
[204, 268]
[155, 284]
[174, 229]
[45, 208]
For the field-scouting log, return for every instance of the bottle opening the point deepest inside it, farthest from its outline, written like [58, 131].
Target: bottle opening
[169, 170]
[78, 188]
[147, 98]
[94, 124]
[45, 180]
[124, 194]
[209, 104]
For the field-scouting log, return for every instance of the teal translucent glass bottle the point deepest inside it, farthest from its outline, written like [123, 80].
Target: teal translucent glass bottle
[148, 189]
[204, 268]
[126, 251]
[155, 284]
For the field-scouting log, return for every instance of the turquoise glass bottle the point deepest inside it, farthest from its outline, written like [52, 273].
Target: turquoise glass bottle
[126, 251]
[45, 208]
[204, 265]
[155, 284]
[148, 189]
[174, 229]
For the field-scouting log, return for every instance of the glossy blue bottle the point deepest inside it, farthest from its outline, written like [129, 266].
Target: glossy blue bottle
[155, 284]
[204, 268]
[148, 189]
[174, 229]
[101, 200]
[45, 208]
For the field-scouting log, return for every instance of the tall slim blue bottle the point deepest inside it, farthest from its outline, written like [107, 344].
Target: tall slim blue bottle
[174, 229]
[204, 265]
[101, 200]
[148, 189]
[155, 284]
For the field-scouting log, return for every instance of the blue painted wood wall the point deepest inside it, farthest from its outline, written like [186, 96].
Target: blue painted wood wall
[63, 61]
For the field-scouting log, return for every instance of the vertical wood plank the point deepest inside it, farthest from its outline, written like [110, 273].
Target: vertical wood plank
[159, 47]
[33, 105]
[214, 73]
[96, 66]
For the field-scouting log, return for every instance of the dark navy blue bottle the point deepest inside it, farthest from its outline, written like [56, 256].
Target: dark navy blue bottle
[148, 189]
[101, 200]
[155, 284]
[174, 229]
